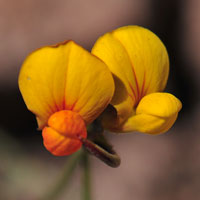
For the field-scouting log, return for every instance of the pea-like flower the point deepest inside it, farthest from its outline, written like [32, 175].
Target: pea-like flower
[66, 87]
[139, 63]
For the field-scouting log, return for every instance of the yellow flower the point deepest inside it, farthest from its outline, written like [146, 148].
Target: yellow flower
[139, 63]
[66, 87]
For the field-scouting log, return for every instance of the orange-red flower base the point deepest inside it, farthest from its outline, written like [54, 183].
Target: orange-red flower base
[64, 133]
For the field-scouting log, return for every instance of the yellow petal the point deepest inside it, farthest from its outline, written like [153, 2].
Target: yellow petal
[113, 53]
[65, 77]
[155, 114]
[138, 60]
[115, 56]
[159, 104]
[149, 124]
[148, 56]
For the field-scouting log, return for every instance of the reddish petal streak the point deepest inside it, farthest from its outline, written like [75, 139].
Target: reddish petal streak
[136, 82]
[143, 84]
[145, 91]
[133, 70]
[73, 105]
[133, 91]
[64, 104]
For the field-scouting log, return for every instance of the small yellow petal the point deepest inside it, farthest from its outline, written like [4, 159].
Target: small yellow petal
[159, 104]
[149, 124]
[65, 77]
[155, 114]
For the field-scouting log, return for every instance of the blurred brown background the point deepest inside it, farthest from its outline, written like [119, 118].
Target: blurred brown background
[153, 167]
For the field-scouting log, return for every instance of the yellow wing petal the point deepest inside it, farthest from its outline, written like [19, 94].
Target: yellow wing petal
[155, 114]
[139, 62]
[62, 77]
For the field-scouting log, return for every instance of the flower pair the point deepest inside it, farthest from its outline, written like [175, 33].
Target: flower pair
[120, 81]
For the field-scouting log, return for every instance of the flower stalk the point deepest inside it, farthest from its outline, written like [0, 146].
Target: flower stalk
[86, 184]
[97, 145]
[64, 178]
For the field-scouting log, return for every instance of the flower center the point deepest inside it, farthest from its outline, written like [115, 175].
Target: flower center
[64, 132]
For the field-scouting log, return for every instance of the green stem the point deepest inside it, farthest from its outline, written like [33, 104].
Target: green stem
[86, 177]
[64, 178]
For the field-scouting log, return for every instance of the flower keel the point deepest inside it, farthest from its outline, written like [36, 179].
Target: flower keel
[64, 133]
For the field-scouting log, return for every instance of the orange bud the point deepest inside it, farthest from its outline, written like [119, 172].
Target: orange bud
[64, 134]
